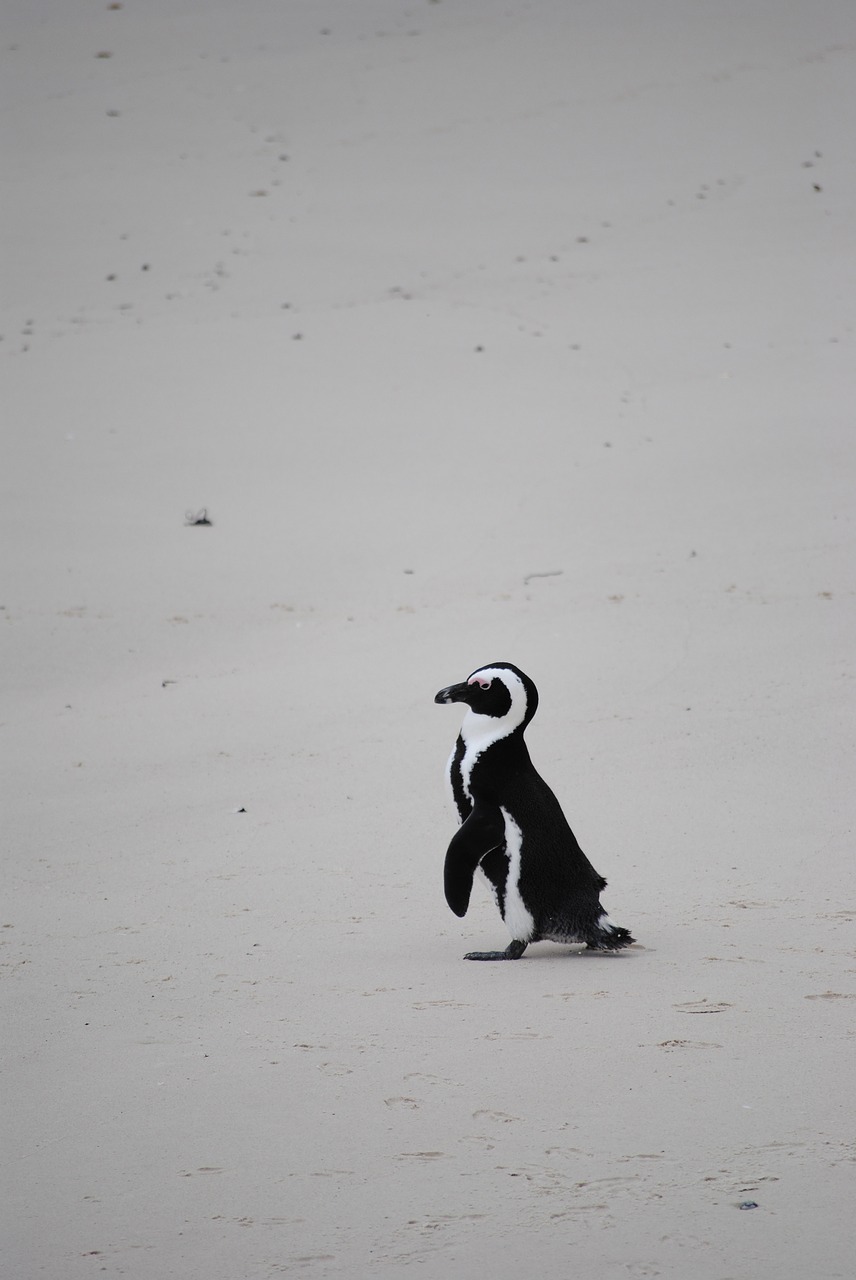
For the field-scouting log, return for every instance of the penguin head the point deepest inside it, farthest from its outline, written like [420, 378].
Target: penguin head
[497, 695]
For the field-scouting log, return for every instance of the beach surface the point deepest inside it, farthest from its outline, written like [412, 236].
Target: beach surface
[475, 331]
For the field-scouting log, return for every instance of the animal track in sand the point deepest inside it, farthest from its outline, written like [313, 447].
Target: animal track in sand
[604, 1182]
[579, 1196]
[260, 1222]
[479, 1139]
[443, 1220]
[577, 1209]
[410, 1103]
[427, 1234]
[501, 1117]
[688, 1044]
[833, 995]
[703, 1006]
[422, 1155]
[746, 1168]
[441, 1004]
[576, 995]
[422, 1075]
[515, 1035]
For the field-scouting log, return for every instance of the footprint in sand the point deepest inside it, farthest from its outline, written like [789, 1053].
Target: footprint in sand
[502, 1117]
[688, 1044]
[421, 1155]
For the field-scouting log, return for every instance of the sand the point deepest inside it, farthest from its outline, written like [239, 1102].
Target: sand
[482, 331]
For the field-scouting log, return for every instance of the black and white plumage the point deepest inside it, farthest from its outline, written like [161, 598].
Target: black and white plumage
[512, 828]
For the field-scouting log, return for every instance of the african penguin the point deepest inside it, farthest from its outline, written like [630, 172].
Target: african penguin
[512, 828]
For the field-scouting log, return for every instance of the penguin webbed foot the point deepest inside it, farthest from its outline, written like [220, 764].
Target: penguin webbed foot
[513, 951]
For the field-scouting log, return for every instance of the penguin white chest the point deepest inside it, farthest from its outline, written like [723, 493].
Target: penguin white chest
[459, 770]
[479, 734]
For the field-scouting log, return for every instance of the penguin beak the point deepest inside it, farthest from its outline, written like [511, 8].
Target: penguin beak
[454, 693]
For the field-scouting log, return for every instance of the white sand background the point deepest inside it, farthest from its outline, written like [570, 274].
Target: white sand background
[420, 300]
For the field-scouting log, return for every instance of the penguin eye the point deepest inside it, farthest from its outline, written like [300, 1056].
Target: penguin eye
[484, 684]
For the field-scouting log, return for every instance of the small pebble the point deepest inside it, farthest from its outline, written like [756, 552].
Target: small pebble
[748, 1204]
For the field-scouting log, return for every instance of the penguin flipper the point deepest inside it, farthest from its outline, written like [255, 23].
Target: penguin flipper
[483, 830]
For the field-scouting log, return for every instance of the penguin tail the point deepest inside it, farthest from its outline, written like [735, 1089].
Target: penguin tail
[609, 937]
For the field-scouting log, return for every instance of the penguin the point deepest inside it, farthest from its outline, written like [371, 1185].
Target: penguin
[513, 831]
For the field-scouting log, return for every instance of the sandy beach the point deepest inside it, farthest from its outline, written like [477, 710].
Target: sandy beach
[480, 331]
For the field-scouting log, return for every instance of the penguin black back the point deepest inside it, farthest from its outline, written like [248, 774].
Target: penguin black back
[513, 831]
